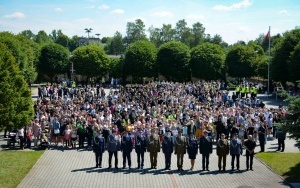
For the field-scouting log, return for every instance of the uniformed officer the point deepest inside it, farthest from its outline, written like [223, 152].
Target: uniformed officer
[126, 148]
[113, 146]
[250, 147]
[180, 148]
[262, 137]
[236, 150]
[99, 148]
[153, 147]
[222, 151]
[168, 147]
[205, 147]
[140, 148]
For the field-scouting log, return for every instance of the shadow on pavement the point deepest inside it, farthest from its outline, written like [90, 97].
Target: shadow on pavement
[293, 175]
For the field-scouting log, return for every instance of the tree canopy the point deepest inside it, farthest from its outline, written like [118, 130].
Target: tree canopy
[16, 108]
[173, 61]
[53, 60]
[207, 61]
[90, 61]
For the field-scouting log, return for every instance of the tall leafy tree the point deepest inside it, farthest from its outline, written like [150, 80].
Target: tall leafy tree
[173, 61]
[115, 44]
[155, 36]
[90, 61]
[63, 40]
[53, 60]
[15, 96]
[241, 61]
[115, 67]
[295, 64]
[183, 33]
[28, 34]
[135, 31]
[140, 59]
[42, 38]
[207, 61]
[198, 32]
[73, 43]
[280, 66]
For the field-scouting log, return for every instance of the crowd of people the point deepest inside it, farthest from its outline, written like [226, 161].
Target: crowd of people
[173, 117]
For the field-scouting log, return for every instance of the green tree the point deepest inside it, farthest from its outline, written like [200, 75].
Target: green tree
[140, 59]
[15, 97]
[53, 60]
[295, 64]
[28, 34]
[155, 36]
[42, 38]
[115, 67]
[207, 61]
[241, 61]
[115, 44]
[73, 43]
[135, 31]
[173, 61]
[90, 61]
[280, 66]
[63, 40]
[198, 32]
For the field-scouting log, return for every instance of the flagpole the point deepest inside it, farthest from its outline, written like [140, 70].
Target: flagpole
[269, 60]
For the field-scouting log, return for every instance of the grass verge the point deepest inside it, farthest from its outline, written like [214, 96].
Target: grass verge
[15, 165]
[286, 165]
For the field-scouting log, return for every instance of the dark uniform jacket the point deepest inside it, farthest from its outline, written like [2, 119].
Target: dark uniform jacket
[222, 147]
[167, 144]
[113, 144]
[236, 147]
[261, 133]
[250, 144]
[126, 144]
[153, 144]
[192, 147]
[140, 144]
[180, 144]
[99, 145]
[205, 145]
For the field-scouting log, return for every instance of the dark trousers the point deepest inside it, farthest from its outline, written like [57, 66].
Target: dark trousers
[81, 140]
[98, 158]
[126, 155]
[140, 155]
[89, 140]
[205, 161]
[222, 158]
[237, 161]
[21, 142]
[249, 156]
[168, 160]
[180, 160]
[281, 144]
[262, 145]
[153, 159]
[29, 143]
[110, 154]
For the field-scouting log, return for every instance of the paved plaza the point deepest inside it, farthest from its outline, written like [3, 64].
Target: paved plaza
[61, 167]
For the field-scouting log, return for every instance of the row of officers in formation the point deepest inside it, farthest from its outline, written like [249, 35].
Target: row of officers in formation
[243, 91]
[179, 145]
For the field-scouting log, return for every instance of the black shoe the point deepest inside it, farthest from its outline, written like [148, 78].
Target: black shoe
[123, 167]
[154, 167]
[224, 170]
[142, 167]
[109, 167]
[96, 166]
[203, 169]
[116, 167]
[232, 168]
[181, 169]
[139, 167]
[219, 169]
[178, 169]
[251, 169]
[130, 168]
[207, 169]
[100, 166]
[247, 169]
[166, 168]
[282, 151]
[238, 169]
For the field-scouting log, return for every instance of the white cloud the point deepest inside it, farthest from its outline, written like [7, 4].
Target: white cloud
[58, 9]
[195, 17]
[16, 15]
[117, 11]
[162, 14]
[283, 12]
[235, 6]
[102, 7]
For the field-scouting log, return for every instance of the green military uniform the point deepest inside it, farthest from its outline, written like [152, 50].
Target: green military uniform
[153, 147]
[180, 148]
[222, 151]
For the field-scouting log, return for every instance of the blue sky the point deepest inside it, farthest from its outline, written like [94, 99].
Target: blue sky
[232, 19]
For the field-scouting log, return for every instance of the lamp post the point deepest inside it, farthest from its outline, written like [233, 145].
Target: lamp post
[88, 31]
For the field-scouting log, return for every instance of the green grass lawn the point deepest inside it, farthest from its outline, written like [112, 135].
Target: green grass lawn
[286, 165]
[14, 165]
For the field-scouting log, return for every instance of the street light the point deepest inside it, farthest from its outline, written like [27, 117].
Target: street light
[97, 34]
[88, 31]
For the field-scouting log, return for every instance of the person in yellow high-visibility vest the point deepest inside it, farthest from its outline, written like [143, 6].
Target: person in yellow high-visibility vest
[243, 91]
[254, 92]
[238, 91]
[247, 91]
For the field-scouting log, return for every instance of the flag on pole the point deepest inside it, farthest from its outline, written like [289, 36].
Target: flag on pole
[267, 36]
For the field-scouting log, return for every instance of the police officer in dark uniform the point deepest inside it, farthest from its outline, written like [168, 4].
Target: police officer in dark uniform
[99, 148]
[250, 146]
[236, 150]
[167, 147]
[153, 147]
[126, 148]
[205, 147]
[140, 148]
[113, 146]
